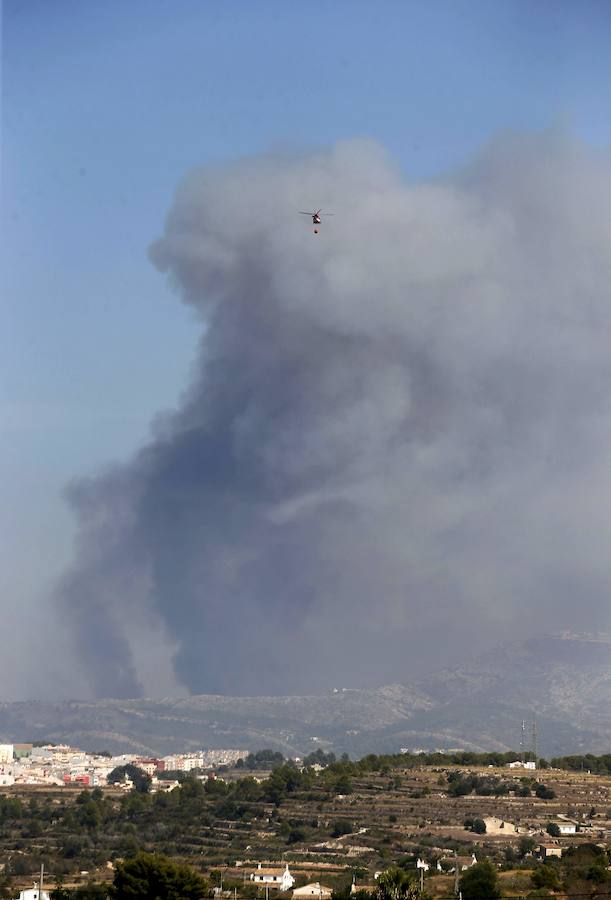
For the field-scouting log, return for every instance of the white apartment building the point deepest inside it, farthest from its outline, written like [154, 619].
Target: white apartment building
[6, 753]
[7, 776]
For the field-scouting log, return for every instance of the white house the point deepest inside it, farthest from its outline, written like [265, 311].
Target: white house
[315, 890]
[274, 878]
[33, 894]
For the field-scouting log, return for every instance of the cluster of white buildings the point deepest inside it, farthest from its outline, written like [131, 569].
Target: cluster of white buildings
[202, 759]
[281, 880]
[63, 765]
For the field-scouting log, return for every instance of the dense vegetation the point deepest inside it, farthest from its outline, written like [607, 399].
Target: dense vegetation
[269, 759]
[74, 833]
[262, 759]
[598, 765]
[460, 785]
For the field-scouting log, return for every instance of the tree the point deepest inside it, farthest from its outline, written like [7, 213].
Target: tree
[319, 757]
[341, 827]
[598, 873]
[545, 876]
[397, 884]
[138, 777]
[480, 882]
[544, 793]
[262, 759]
[296, 835]
[148, 876]
[476, 825]
[526, 845]
[343, 785]
[553, 829]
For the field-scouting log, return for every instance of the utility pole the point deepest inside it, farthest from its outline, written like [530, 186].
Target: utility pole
[42, 876]
[456, 891]
[535, 748]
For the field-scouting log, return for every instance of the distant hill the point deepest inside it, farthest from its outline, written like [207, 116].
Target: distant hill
[564, 682]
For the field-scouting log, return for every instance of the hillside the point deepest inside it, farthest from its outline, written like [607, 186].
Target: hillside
[564, 682]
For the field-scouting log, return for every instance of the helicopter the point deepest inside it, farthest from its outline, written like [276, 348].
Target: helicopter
[316, 220]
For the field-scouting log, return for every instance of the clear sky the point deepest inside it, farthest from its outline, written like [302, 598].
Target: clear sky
[107, 105]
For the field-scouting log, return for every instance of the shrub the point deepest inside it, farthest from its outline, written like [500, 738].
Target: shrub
[544, 793]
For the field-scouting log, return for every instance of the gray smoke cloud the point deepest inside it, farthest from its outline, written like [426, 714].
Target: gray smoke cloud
[395, 446]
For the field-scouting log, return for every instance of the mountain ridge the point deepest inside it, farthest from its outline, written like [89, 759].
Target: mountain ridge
[561, 681]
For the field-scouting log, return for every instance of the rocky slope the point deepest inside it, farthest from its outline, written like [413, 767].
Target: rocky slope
[562, 682]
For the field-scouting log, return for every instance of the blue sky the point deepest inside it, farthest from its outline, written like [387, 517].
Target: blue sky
[107, 105]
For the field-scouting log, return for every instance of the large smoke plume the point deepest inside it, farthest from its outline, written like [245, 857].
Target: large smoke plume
[397, 440]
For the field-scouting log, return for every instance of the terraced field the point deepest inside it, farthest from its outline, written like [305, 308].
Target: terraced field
[386, 817]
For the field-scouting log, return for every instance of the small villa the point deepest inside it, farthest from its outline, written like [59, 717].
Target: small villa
[281, 879]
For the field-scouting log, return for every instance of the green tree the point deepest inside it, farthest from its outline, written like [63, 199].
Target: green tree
[139, 778]
[526, 845]
[546, 876]
[544, 793]
[60, 893]
[343, 785]
[296, 835]
[319, 757]
[397, 884]
[480, 882]
[598, 873]
[341, 827]
[149, 876]
[553, 829]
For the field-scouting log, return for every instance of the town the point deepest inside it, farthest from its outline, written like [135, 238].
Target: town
[57, 764]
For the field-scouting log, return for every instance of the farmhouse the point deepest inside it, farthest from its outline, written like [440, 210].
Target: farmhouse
[273, 878]
[546, 851]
